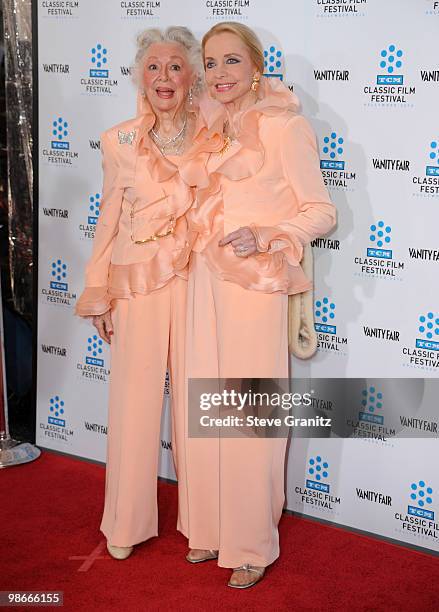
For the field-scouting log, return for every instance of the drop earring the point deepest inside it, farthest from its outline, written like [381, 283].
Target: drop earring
[255, 82]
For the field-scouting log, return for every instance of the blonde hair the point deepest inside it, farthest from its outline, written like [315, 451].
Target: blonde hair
[173, 34]
[244, 33]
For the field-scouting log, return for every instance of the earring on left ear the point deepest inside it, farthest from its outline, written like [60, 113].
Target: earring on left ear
[255, 82]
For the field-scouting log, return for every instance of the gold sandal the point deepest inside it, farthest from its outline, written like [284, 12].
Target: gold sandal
[259, 571]
[212, 554]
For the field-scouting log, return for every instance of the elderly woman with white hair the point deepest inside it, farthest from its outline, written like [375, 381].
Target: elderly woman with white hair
[135, 298]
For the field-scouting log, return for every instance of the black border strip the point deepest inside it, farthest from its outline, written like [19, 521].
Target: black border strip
[35, 207]
[369, 535]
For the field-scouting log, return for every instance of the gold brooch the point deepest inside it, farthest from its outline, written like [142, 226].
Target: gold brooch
[227, 145]
[126, 137]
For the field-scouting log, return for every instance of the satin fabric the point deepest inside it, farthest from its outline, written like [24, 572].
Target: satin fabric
[142, 192]
[148, 338]
[140, 181]
[269, 180]
[235, 487]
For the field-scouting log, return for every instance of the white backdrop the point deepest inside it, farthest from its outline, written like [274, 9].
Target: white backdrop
[366, 73]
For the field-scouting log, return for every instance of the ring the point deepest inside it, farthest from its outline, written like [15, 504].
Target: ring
[241, 249]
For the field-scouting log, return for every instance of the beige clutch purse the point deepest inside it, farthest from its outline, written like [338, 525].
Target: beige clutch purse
[302, 337]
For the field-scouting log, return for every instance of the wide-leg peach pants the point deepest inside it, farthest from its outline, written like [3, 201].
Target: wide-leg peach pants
[148, 337]
[235, 486]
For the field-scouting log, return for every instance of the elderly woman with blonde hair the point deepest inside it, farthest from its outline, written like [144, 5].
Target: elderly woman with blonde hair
[265, 202]
[135, 298]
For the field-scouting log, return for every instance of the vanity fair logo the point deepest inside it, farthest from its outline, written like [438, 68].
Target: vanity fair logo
[98, 81]
[55, 213]
[426, 183]
[341, 8]
[220, 9]
[126, 71]
[316, 492]
[326, 243]
[59, 8]
[92, 367]
[423, 354]
[95, 428]
[328, 340]
[95, 145]
[59, 151]
[417, 520]
[57, 290]
[273, 62]
[331, 75]
[140, 9]
[390, 88]
[56, 428]
[56, 68]
[379, 261]
[336, 175]
[87, 229]
[54, 350]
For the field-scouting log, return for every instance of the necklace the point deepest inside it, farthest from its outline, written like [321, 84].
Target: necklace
[170, 146]
[228, 140]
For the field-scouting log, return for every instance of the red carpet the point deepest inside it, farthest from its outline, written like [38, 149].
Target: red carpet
[50, 513]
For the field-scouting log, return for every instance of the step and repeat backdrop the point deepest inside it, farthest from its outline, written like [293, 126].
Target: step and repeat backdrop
[367, 75]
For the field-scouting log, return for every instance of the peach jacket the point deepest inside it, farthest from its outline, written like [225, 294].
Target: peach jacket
[144, 193]
[269, 180]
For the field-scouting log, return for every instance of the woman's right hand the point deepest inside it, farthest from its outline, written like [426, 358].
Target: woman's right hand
[104, 326]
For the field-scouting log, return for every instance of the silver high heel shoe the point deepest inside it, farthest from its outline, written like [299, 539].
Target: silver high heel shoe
[258, 571]
[211, 554]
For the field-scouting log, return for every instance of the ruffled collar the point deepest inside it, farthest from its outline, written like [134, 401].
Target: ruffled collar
[248, 156]
[206, 139]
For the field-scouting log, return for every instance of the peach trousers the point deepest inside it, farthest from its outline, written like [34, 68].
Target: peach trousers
[235, 485]
[148, 337]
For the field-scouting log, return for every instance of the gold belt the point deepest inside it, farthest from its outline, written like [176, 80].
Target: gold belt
[154, 236]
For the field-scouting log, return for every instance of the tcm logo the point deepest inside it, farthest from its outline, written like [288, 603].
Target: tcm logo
[332, 149]
[94, 351]
[273, 63]
[324, 313]
[428, 327]
[94, 202]
[56, 409]
[421, 495]
[379, 237]
[99, 61]
[390, 63]
[434, 156]
[59, 276]
[318, 473]
[372, 404]
[60, 133]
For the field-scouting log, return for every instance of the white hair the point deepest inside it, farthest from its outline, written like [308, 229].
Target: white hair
[173, 34]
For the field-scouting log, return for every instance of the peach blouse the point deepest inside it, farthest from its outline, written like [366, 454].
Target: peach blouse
[144, 193]
[270, 180]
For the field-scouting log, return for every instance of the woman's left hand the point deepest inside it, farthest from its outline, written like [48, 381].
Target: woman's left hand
[242, 240]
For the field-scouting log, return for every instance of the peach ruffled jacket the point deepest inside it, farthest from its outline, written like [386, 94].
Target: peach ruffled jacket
[270, 180]
[140, 181]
